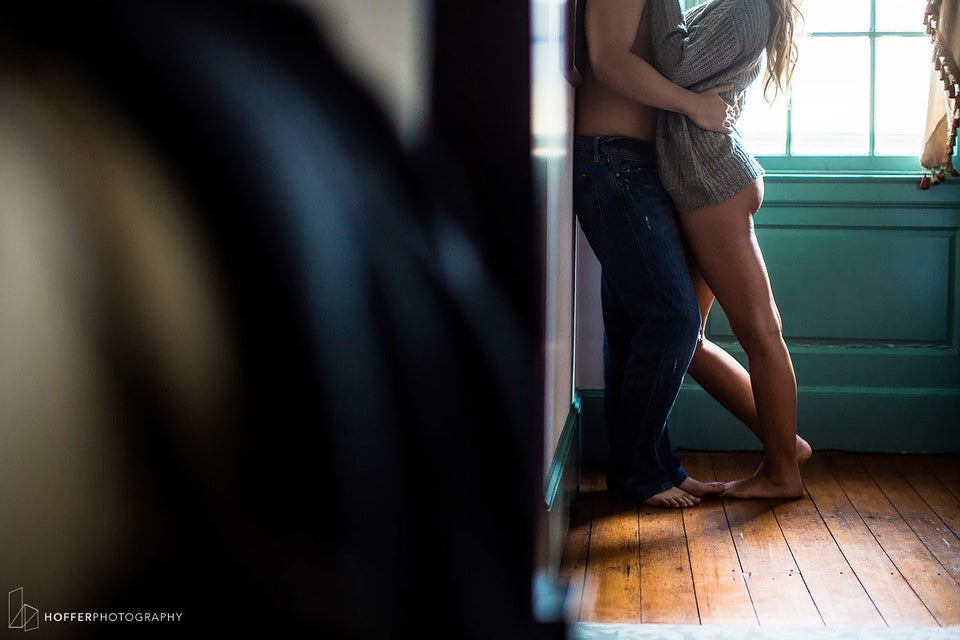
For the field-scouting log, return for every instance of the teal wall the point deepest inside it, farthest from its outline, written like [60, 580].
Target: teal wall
[865, 273]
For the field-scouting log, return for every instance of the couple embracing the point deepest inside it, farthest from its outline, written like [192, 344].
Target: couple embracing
[665, 193]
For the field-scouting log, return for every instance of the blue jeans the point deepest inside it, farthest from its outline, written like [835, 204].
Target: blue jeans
[650, 313]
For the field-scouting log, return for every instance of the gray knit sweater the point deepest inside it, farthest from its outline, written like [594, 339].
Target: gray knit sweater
[714, 43]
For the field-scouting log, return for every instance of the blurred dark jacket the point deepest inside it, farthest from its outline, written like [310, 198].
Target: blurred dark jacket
[295, 402]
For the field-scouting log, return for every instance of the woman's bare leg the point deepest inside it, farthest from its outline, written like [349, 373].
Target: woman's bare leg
[723, 244]
[722, 376]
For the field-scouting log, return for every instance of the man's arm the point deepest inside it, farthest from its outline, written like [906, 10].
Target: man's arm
[687, 55]
[611, 29]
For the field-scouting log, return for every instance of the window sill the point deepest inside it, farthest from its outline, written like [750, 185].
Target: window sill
[871, 167]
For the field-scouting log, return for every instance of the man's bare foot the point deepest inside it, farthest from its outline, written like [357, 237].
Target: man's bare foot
[673, 497]
[763, 486]
[700, 489]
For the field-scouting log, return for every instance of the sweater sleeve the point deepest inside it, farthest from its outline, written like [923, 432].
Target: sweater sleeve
[689, 53]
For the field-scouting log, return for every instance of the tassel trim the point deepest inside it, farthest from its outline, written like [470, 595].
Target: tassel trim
[949, 72]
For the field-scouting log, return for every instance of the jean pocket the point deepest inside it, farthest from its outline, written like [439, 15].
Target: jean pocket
[586, 203]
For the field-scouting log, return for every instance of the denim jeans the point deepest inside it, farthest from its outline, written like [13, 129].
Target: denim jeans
[650, 313]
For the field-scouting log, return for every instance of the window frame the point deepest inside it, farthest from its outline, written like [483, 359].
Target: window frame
[866, 165]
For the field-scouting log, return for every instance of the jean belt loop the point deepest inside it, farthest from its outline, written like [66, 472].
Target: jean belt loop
[596, 148]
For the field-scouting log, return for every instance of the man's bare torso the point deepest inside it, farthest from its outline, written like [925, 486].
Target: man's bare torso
[601, 111]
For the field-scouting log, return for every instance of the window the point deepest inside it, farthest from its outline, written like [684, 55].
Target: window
[859, 95]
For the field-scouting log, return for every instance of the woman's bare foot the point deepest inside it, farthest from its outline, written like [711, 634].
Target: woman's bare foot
[700, 489]
[762, 485]
[804, 453]
[673, 497]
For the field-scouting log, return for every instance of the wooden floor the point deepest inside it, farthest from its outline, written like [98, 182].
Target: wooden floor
[873, 543]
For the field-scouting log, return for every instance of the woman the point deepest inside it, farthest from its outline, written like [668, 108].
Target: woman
[717, 186]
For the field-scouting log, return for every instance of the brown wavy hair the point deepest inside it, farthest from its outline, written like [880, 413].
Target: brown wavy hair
[786, 25]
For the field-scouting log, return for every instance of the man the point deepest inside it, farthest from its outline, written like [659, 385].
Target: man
[650, 311]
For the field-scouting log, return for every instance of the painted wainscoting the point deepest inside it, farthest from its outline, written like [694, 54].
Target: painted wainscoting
[866, 276]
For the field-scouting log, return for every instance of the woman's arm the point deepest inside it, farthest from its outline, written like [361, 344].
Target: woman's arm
[611, 30]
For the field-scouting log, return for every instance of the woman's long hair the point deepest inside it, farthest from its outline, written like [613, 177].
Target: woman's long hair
[781, 47]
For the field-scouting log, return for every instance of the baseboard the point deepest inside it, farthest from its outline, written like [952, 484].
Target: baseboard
[560, 489]
[563, 483]
[592, 429]
[841, 418]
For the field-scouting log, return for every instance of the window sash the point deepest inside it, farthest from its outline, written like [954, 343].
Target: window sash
[869, 164]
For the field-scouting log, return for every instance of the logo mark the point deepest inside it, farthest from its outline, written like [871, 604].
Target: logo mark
[20, 615]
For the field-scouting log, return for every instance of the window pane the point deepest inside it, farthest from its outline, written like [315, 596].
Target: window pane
[903, 82]
[900, 15]
[831, 97]
[837, 15]
[549, 96]
[763, 126]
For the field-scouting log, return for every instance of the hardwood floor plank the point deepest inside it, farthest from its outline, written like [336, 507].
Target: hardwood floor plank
[862, 544]
[613, 590]
[769, 567]
[932, 531]
[938, 591]
[666, 583]
[891, 594]
[721, 591]
[946, 468]
[946, 505]
[760, 544]
[834, 587]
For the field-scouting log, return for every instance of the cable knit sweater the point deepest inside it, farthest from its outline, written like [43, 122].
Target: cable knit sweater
[714, 43]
